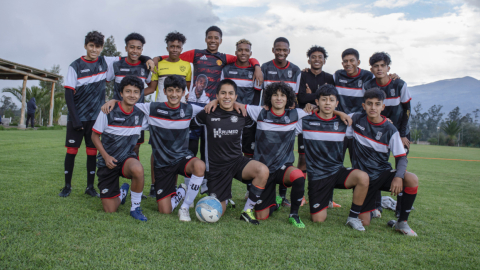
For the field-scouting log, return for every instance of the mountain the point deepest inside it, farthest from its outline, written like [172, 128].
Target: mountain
[462, 92]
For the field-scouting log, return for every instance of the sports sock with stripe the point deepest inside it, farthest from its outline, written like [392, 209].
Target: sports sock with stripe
[192, 190]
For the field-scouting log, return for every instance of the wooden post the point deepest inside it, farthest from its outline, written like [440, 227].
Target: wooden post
[52, 95]
[22, 114]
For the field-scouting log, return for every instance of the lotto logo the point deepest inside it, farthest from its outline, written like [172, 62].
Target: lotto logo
[92, 172]
[302, 147]
[259, 201]
[316, 205]
[159, 191]
[71, 141]
[66, 172]
[104, 190]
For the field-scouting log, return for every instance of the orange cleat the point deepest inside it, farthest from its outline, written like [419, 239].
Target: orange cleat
[303, 201]
[332, 204]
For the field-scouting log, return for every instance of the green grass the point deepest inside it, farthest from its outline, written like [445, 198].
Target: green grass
[38, 229]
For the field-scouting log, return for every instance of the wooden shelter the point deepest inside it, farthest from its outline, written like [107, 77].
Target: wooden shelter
[13, 71]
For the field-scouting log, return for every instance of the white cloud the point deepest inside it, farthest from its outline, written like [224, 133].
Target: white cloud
[394, 3]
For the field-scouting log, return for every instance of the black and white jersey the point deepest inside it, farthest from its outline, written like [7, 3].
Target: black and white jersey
[290, 74]
[350, 90]
[224, 130]
[372, 145]
[123, 68]
[275, 136]
[396, 92]
[88, 80]
[323, 140]
[242, 76]
[120, 132]
[169, 131]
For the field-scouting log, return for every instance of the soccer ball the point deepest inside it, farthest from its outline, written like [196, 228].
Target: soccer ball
[209, 209]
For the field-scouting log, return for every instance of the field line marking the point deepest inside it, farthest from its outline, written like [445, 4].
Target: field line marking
[446, 159]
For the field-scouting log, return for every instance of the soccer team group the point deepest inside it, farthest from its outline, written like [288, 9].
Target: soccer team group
[244, 118]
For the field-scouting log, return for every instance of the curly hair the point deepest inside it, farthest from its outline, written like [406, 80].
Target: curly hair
[351, 51]
[316, 48]
[135, 36]
[175, 81]
[214, 28]
[172, 36]
[375, 92]
[326, 90]
[131, 80]
[379, 56]
[227, 82]
[96, 37]
[282, 87]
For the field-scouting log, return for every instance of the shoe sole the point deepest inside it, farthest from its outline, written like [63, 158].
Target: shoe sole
[246, 220]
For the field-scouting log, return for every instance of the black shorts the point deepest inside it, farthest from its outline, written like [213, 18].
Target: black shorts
[166, 178]
[74, 137]
[219, 178]
[108, 180]
[267, 199]
[321, 191]
[382, 183]
[300, 145]
[248, 140]
[141, 139]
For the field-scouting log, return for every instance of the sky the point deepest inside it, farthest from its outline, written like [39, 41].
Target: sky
[427, 40]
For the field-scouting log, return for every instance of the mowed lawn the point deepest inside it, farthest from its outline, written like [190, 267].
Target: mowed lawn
[38, 229]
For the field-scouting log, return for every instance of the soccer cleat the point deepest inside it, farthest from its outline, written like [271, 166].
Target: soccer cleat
[249, 217]
[278, 200]
[231, 203]
[286, 202]
[65, 191]
[296, 222]
[184, 214]
[137, 214]
[124, 190]
[355, 223]
[303, 201]
[391, 223]
[333, 204]
[152, 192]
[376, 214]
[403, 227]
[92, 192]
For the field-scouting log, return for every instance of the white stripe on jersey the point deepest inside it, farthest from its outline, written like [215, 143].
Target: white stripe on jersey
[396, 145]
[370, 143]
[276, 127]
[169, 123]
[123, 131]
[323, 136]
[405, 94]
[91, 79]
[392, 101]
[351, 92]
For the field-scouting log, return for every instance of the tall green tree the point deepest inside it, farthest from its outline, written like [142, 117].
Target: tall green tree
[7, 107]
[451, 128]
[110, 49]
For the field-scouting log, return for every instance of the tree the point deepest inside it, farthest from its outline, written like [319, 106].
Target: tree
[476, 113]
[8, 108]
[451, 128]
[110, 49]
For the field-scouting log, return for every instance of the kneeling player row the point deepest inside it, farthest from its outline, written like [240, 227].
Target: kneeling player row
[324, 134]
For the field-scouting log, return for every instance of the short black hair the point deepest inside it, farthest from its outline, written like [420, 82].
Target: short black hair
[281, 39]
[226, 82]
[214, 28]
[135, 36]
[175, 81]
[326, 90]
[316, 48]
[379, 56]
[375, 92]
[351, 51]
[131, 80]
[284, 88]
[172, 36]
[96, 37]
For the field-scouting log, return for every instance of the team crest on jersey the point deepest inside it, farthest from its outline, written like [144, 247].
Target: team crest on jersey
[379, 135]
[286, 119]
[252, 146]
[360, 83]
[289, 74]
[182, 113]
[234, 119]
[182, 68]
[250, 75]
[100, 68]
[142, 72]
[219, 62]
[392, 92]
[335, 125]
[136, 119]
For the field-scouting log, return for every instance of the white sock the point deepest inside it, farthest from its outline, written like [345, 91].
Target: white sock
[175, 200]
[136, 199]
[249, 204]
[123, 194]
[192, 191]
[204, 186]
[187, 181]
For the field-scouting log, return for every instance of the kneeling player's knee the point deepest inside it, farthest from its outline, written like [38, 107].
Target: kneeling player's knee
[363, 179]
[199, 168]
[137, 170]
[411, 180]
[263, 173]
[319, 218]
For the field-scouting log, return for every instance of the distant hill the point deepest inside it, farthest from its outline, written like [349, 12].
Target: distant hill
[462, 92]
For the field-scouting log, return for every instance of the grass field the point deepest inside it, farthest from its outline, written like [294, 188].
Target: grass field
[38, 229]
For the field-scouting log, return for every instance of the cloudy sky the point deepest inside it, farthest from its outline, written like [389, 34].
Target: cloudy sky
[428, 40]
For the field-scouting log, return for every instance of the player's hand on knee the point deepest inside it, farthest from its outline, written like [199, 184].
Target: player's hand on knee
[396, 186]
[110, 162]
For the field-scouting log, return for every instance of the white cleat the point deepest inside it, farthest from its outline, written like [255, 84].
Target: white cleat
[184, 214]
[403, 227]
[355, 223]
[376, 214]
